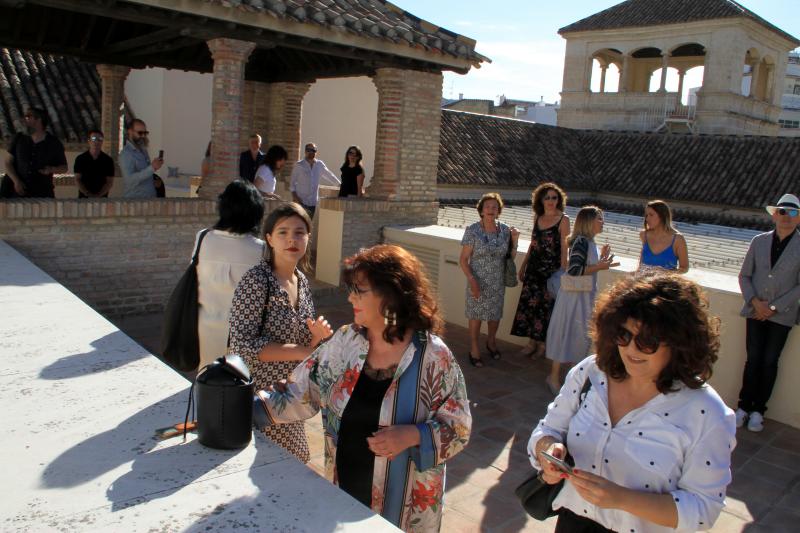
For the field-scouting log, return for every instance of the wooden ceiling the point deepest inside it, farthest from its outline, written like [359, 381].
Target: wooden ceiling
[139, 36]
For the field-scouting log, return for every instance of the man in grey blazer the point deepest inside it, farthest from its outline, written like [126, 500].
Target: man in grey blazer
[770, 283]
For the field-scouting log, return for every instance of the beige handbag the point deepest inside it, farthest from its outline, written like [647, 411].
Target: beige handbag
[577, 283]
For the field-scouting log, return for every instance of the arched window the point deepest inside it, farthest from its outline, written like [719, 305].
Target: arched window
[605, 73]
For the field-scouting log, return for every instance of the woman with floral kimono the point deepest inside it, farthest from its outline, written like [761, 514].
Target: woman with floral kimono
[393, 400]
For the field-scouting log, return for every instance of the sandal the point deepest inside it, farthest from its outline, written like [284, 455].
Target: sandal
[475, 361]
[539, 352]
[528, 350]
[494, 353]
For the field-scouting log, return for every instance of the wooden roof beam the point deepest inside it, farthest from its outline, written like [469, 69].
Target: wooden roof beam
[164, 34]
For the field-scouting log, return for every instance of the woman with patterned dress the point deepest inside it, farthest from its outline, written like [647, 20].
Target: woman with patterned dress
[393, 399]
[483, 253]
[272, 322]
[568, 333]
[547, 254]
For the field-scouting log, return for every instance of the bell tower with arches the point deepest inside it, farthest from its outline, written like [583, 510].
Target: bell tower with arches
[706, 66]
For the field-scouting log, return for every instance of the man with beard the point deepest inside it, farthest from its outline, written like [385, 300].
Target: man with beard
[138, 173]
[32, 160]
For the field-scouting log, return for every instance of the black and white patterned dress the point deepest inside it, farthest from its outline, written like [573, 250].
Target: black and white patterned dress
[282, 324]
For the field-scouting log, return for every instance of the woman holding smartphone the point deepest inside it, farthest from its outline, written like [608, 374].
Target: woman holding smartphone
[651, 441]
[272, 323]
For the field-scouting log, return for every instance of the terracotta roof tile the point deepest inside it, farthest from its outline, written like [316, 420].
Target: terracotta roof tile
[378, 19]
[638, 13]
[747, 172]
[67, 89]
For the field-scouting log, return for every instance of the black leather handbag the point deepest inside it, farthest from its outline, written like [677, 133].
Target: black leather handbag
[534, 494]
[510, 267]
[180, 344]
[224, 404]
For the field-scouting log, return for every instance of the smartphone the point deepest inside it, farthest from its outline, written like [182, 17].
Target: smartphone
[558, 463]
[161, 154]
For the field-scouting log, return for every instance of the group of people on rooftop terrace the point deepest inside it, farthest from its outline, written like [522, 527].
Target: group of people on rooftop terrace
[649, 440]
[646, 440]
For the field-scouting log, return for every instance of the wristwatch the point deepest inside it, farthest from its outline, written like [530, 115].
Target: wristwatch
[773, 308]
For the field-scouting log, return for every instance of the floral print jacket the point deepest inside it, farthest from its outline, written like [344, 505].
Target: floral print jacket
[427, 390]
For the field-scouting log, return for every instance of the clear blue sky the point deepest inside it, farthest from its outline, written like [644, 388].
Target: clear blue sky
[521, 39]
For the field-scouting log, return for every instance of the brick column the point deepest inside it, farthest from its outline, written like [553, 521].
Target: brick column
[255, 113]
[112, 82]
[230, 57]
[285, 113]
[407, 136]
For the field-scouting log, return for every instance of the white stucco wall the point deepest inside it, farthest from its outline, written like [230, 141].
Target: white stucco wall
[176, 106]
[338, 113]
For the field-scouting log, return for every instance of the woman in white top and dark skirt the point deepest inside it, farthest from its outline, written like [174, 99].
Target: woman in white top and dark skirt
[650, 439]
[228, 251]
[265, 179]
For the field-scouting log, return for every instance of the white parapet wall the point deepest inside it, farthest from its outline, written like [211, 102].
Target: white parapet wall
[81, 402]
[439, 248]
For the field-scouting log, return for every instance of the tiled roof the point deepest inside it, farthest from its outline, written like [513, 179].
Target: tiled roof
[376, 19]
[747, 172]
[67, 89]
[637, 13]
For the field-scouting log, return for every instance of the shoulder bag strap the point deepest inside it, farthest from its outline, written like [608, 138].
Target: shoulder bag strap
[199, 242]
[587, 385]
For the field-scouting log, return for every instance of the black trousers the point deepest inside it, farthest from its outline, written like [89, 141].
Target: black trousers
[569, 522]
[765, 341]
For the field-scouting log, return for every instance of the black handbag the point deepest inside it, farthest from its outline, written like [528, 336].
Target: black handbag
[534, 494]
[180, 344]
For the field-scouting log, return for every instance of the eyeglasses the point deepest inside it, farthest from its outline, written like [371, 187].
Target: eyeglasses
[645, 344]
[790, 212]
[95, 138]
[311, 149]
[352, 153]
[551, 197]
[354, 289]
[141, 133]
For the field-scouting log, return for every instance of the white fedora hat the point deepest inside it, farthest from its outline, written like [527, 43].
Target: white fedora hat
[787, 201]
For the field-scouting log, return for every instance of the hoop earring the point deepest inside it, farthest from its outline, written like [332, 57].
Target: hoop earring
[389, 318]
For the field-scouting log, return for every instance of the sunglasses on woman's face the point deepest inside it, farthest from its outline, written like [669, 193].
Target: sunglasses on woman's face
[554, 197]
[646, 344]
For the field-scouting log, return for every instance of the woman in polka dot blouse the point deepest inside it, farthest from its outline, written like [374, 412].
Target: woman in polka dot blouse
[651, 440]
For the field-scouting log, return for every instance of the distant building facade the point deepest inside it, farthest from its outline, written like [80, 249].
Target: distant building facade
[789, 119]
[540, 112]
[638, 39]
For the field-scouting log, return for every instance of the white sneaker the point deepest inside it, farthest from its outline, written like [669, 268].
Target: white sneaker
[755, 422]
[741, 417]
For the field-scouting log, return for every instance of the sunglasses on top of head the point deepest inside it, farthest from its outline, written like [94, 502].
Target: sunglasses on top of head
[645, 343]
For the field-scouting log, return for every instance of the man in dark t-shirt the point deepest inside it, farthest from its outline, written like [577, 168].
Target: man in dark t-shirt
[32, 160]
[94, 169]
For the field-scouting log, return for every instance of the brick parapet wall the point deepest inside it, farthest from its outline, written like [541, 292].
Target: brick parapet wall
[407, 134]
[364, 219]
[122, 257]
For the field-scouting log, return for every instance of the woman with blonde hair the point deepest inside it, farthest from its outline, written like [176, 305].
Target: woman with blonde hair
[658, 234]
[568, 333]
[547, 254]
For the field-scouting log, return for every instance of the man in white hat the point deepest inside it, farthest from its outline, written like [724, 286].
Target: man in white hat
[770, 283]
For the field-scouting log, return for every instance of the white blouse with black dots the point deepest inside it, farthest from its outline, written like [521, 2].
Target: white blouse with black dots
[678, 443]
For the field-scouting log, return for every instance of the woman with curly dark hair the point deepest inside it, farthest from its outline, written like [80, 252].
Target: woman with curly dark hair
[650, 440]
[547, 254]
[392, 396]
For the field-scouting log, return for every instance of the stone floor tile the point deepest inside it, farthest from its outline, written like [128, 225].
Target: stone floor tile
[749, 488]
[780, 519]
[527, 524]
[750, 510]
[782, 458]
[455, 522]
[767, 472]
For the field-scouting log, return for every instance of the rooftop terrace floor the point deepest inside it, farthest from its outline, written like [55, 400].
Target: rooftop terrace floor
[508, 397]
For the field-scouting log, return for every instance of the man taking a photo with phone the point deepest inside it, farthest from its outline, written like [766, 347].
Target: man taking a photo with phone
[138, 172]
